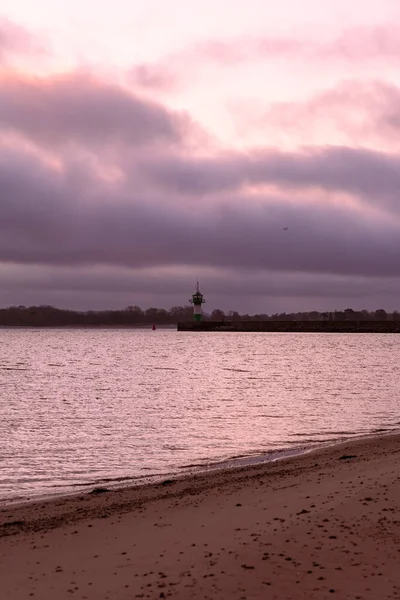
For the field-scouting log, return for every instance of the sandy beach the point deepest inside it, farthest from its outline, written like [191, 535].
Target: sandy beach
[321, 525]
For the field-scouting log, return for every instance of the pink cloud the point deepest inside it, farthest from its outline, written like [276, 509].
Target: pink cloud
[355, 49]
[365, 112]
[367, 43]
[16, 41]
[232, 52]
[360, 44]
[157, 77]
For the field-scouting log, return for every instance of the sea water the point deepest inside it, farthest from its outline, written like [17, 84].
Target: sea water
[89, 407]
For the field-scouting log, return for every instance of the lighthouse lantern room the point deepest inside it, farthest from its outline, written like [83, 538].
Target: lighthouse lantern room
[197, 300]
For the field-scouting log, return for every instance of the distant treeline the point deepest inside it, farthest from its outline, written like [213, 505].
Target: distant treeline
[49, 316]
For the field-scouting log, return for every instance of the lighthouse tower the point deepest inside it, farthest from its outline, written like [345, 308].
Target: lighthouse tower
[197, 300]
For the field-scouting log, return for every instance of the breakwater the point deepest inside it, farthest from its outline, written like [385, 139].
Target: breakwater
[294, 326]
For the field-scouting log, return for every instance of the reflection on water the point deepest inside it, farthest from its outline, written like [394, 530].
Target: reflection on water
[79, 406]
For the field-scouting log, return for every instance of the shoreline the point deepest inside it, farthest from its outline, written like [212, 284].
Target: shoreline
[148, 491]
[183, 472]
[188, 471]
[321, 523]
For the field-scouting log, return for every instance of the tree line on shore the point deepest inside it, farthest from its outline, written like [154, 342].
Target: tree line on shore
[49, 316]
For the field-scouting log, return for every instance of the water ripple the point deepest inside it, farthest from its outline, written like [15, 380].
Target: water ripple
[79, 407]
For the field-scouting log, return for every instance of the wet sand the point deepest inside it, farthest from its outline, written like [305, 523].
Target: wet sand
[321, 525]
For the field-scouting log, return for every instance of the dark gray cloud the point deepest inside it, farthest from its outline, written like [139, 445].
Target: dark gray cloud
[371, 174]
[83, 109]
[48, 217]
[233, 281]
[230, 289]
[72, 231]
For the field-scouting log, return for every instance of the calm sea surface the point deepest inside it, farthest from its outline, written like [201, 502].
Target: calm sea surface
[82, 407]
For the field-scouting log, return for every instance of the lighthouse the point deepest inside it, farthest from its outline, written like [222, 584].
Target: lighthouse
[197, 300]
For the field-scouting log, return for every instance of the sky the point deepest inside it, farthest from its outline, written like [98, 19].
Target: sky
[250, 144]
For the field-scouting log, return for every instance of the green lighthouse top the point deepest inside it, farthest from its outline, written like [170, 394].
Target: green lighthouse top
[197, 297]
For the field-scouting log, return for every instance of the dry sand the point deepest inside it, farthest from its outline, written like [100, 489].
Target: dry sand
[315, 526]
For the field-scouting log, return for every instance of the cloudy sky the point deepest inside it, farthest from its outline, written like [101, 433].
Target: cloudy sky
[145, 144]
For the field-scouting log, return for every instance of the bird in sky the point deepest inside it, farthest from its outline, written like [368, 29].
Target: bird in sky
[285, 228]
